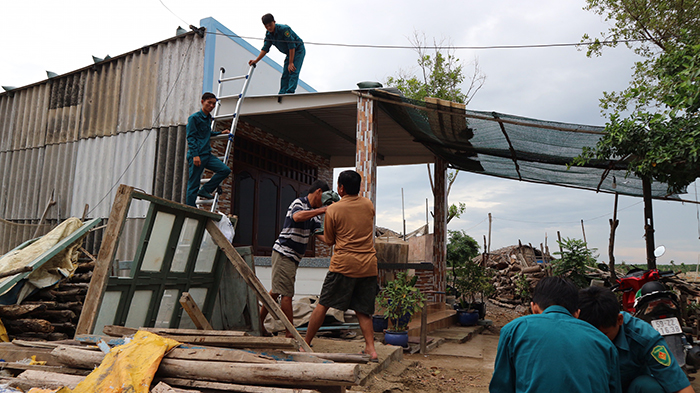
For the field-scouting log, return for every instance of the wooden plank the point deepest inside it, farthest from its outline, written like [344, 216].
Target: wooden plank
[119, 331]
[218, 355]
[252, 280]
[70, 381]
[175, 205]
[281, 373]
[336, 357]
[281, 343]
[37, 262]
[38, 367]
[230, 387]
[196, 315]
[110, 242]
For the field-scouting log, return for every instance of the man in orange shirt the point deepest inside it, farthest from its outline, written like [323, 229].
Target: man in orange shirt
[351, 282]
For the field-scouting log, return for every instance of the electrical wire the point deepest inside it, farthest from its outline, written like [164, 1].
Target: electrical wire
[526, 46]
[171, 11]
[155, 122]
[566, 222]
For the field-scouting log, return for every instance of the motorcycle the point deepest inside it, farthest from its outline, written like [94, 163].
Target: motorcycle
[645, 297]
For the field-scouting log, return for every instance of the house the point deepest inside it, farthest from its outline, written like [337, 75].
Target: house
[73, 138]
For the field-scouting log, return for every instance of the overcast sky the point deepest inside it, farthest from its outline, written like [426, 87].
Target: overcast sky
[559, 84]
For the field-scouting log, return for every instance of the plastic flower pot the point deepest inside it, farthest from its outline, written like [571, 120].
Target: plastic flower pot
[399, 339]
[379, 323]
[467, 318]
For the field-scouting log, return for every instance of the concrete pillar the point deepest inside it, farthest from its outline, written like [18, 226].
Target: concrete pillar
[440, 230]
[366, 149]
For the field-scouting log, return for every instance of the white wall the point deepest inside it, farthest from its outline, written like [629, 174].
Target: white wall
[309, 280]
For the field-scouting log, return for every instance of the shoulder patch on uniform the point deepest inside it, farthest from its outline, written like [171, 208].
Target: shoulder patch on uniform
[286, 33]
[661, 355]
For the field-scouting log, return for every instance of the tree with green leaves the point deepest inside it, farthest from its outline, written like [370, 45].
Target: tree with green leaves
[440, 73]
[653, 126]
[461, 249]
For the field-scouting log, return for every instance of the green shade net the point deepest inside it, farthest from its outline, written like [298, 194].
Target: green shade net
[511, 147]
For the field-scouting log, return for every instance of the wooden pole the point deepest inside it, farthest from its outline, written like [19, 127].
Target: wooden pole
[110, 242]
[614, 222]
[403, 215]
[252, 280]
[489, 243]
[559, 237]
[424, 329]
[583, 230]
[281, 373]
[648, 223]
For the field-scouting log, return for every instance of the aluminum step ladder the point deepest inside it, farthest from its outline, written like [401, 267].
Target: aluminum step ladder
[229, 145]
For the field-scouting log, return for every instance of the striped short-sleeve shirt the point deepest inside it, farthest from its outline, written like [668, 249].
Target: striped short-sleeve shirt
[295, 236]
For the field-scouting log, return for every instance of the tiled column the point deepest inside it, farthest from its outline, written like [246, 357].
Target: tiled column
[366, 149]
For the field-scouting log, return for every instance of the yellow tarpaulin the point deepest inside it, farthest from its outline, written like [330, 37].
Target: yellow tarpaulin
[129, 367]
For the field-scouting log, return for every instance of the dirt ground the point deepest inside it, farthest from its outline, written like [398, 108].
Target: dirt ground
[452, 367]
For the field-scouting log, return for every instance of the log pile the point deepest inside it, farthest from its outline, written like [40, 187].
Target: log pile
[52, 313]
[515, 270]
[193, 368]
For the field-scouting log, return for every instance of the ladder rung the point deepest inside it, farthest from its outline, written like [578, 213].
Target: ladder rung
[204, 181]
[231, 96]
[204, 201]
[233, 78]
[217, 117]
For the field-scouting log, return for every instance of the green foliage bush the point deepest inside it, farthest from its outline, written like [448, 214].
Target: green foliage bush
[575, 258]
[401, 297]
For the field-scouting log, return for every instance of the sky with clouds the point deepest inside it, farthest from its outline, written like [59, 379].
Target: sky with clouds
[559, 84]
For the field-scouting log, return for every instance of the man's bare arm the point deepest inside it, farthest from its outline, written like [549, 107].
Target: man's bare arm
[305, 215]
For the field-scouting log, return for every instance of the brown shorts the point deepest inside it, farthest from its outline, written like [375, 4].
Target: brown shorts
[343, 292]
[284, 274]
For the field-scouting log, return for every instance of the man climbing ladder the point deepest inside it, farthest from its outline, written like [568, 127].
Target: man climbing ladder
[199, 155]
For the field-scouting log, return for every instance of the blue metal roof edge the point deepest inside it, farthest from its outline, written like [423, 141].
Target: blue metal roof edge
[212, 25]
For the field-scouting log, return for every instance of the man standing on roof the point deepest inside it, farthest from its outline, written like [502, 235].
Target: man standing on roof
[199, 154]
[284, 39]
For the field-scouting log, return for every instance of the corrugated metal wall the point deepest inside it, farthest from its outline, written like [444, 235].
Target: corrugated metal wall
[103, 162]
[76, 134]
[171, 165]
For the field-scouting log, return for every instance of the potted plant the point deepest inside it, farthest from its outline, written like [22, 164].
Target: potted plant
[470, 280]
[400, 299]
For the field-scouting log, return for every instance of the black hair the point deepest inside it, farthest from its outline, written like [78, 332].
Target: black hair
[599, 307]
[350, 180]
[267, 18]
[556, 291]
[319, 184]
[207, 96]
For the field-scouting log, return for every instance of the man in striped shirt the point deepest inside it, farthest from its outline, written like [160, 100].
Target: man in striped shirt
[303, 218]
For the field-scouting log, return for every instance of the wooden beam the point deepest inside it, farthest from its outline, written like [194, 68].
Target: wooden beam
[120, 331]
[336, 357]
[163, 387]
[196, 315]
[175, 205]
[281, 373]
[230, 387]
[110, 241]
[44, 377]
[281, 343]
[252, 280]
